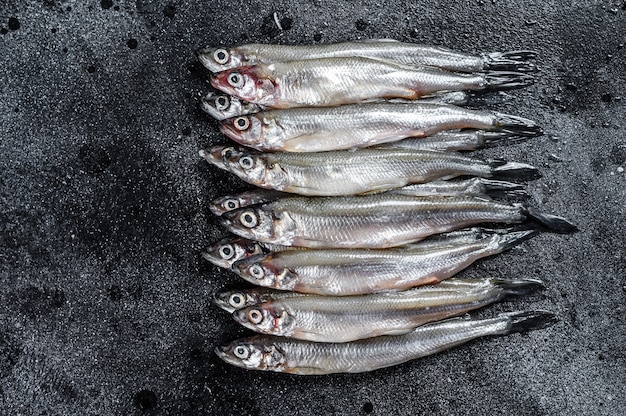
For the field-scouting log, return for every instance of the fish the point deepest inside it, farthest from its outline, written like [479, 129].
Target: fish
[284, 355]
[223, 106]
[330, 82]
[362, 125]
[375, 221]
[356, 172]
[350, 318]
[252, 197]
[225, 252]
[235, 299]
[461, 140]
[472, 186]
[218, 59]
[345, 272]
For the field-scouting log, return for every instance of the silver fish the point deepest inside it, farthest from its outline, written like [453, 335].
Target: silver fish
[232, 300]
[221, 58]
[362, 125]
[342, 272]
[271, 353]
[226, 252]
[221, 106]
[472, 186]
[356, 172]
[458, 140]
[349, 318]
[373, 221]
[330, 82]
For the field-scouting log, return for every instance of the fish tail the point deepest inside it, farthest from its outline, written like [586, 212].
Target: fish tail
[529, 320]
[495, 138]
[517, 125]
[501, 169]
[510, 61]
[509, 240]
[549, 222]
[484, 98]
[500, 189]
[507, 80]
[518, 287]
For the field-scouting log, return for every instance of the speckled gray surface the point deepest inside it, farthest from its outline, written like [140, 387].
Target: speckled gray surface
[103, 210]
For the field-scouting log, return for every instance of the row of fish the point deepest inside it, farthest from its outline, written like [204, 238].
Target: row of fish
[354, 271]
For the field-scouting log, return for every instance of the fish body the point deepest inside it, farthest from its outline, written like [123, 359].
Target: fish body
[361, 125]
[342, 272]
[355, 172]
[349, 318]
[220, 59]
[271, 353]
[331, 82]
[373, 221]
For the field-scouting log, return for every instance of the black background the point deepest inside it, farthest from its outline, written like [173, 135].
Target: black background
[103, 210]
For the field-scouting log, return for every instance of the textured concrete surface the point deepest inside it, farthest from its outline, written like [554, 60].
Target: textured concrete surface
[103, 210]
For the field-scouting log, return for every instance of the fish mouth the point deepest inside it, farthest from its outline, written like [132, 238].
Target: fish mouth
[218, 82]
[221, 352]
[214, 156]
[231, 132]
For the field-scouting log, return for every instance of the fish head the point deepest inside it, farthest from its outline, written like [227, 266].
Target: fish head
[220, 59]
[266, 319]
[217, 154]
[256, 353]
[220, 106]
[245, 129]
[261, 271]
[249, 83]
[225, 253]
[260, 223]
[232, 300]
[226, 203]
[260, 169]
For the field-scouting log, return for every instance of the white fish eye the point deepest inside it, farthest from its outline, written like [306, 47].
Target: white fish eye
[241, 351]
[255, 316]
[221, 56]
[222, 103]
[230, 204]
[248, 219]
[236, 300]
[227, 252]
[246, 162]
[235, 80]
[256, 271]
[241, 123]
[228, 152]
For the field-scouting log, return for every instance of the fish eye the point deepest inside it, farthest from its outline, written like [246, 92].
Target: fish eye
[256, 271]
[241, 351]
[246, 162]
[226, 252]
[248, 219]
[236, 300]
[255, 316]
[221, 103]
[228, 152]
[241, 123]
[221, 56]
[235, 80]
[230, 204]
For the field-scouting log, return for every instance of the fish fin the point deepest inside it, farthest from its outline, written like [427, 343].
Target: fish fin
[549, 221]
[510, 61]
[517, 125]
[512, 239]
[496, 188]
[502, 169]
[496, 138]
[507, 80]
[518, 287]
[529, 320]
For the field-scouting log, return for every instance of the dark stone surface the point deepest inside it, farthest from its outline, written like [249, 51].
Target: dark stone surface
[103, 211]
